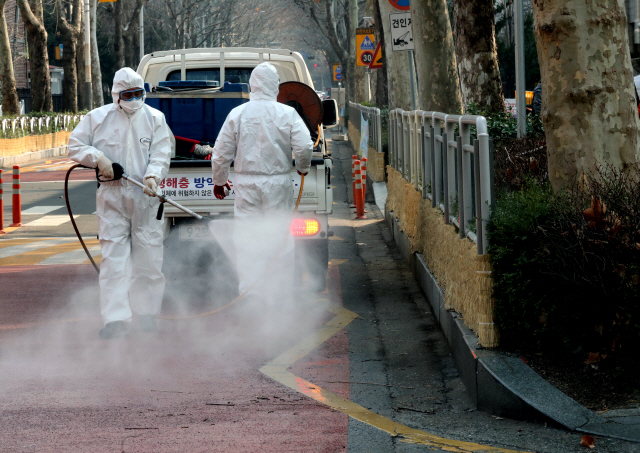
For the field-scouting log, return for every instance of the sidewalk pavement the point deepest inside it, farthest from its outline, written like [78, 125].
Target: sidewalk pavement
[503, 384]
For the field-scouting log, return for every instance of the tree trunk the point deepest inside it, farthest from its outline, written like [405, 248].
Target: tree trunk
[396, 64]
[381, 96]
[351, 94]
[439, 89]
[96, 75]
[83, 97]
[10, 104]
[38, 55]
[588, 96]
[70, 32]
[118, 43]
[477, 55]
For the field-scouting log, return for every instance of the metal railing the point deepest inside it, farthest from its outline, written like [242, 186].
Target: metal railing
[372, 115]
[23, 126]
[450, 162]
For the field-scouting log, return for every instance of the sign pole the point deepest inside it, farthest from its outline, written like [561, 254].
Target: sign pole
[412, 78]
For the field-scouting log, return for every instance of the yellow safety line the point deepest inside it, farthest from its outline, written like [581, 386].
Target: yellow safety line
[276, 369]
[8, 230]
[12, 242]
[35, 256]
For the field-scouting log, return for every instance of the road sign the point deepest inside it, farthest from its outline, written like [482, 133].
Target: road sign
[376, 61]
[337, 72]
[366, 58]
[364, 44]
[401, 36]
[400, 4]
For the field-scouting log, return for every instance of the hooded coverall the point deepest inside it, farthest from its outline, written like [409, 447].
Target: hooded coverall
[260, 137]
[137, 137]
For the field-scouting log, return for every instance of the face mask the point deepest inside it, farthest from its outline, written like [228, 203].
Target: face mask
[132, 105]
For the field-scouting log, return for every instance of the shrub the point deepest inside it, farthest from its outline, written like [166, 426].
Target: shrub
[567, 265]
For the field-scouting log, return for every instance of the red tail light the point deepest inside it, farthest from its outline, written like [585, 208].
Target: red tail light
[304, 227]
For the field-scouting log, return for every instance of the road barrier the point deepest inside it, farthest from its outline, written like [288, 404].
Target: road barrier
[17, 198]
[363, 170]
[449, 159]
[354, 159]
[358, 195]
[1, 205]
[23, 126]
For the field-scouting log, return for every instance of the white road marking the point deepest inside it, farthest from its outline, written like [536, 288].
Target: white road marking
[50, 221]
[74, 257]
[41, 209]
[23, 248]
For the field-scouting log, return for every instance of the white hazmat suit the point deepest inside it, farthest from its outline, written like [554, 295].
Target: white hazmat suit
[261, 137]
[137, 137]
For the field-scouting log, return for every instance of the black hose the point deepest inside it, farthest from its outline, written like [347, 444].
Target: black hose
[73, 222]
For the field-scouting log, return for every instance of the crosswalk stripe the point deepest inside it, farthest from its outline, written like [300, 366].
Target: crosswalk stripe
[50, 221]
[27, 245]
[73, 257]
[37, 256]
[41, 209]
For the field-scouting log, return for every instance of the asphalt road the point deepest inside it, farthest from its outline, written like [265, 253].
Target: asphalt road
[361, 367]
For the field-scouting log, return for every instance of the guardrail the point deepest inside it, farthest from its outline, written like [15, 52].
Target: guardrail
[23, 126]
[372, 115]
[449, 159]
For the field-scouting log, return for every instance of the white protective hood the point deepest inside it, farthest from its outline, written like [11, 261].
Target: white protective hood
[264, 82]
[125, 79]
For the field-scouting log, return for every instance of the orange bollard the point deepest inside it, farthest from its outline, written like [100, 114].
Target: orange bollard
[354, 158]
[363, 171]
[17, 200]
[358, 193]
[1, 205]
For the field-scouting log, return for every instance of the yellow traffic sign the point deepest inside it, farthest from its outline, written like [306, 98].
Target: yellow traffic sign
[337, 72]
[377, 61]
[364, 46]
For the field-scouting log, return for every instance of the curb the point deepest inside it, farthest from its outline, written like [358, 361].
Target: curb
[498, 383]
[35, 155]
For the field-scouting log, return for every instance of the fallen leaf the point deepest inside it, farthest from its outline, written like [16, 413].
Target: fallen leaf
[588, 441]
[594, 357]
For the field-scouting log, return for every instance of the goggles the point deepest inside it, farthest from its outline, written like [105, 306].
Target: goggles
[129, 95]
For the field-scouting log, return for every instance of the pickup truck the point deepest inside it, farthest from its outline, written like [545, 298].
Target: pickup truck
[196, 89]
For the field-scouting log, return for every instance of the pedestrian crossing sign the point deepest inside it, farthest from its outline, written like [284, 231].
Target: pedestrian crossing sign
[364, 45]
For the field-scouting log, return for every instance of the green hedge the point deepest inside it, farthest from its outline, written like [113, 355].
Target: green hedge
[564, 279]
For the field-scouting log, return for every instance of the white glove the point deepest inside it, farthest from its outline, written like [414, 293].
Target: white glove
[151, 186]
[106, 167]
[202, 151]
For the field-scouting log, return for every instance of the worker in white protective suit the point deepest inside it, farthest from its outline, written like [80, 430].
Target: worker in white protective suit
[136, 136]
[261, 137]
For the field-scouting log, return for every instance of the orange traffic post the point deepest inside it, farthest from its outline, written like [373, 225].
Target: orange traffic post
[363, 171]
[1, 205]
[17, 200]
[357, 195]
[354, 158]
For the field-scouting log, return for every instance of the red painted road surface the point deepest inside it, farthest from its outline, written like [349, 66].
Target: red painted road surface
[194, 386]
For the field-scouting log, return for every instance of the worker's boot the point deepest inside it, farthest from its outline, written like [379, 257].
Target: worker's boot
[113, 330]
[147, 323]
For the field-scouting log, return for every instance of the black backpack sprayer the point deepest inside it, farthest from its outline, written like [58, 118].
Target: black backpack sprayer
[119, 173]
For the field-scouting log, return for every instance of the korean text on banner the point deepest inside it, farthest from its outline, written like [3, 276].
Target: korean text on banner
[364, 136]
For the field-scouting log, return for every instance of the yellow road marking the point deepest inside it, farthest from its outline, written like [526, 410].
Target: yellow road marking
[10, 229]
[335, 238]
[12, 242]
[35, 256]
[276, 369]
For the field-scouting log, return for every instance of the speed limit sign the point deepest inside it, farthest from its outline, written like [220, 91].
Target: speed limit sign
[366, 57]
